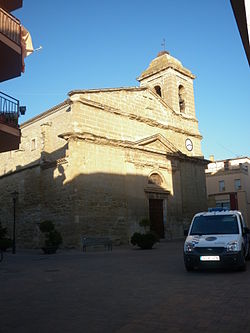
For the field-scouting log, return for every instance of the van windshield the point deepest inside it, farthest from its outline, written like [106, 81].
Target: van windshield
[217, 224]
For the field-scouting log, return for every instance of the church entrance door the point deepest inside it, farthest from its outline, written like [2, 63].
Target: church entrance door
[156, 216]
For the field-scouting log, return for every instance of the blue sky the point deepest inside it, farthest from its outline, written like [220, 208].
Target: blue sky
[99, 44]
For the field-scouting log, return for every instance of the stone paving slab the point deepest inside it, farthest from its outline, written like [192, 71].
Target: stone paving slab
[125, 290]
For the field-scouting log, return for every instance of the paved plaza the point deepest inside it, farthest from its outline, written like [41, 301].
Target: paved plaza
[125, 290]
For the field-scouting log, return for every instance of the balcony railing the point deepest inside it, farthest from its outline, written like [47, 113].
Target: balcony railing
[9, 110]
[10, 27]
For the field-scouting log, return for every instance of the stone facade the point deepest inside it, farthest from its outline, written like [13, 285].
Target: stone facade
[103, 159]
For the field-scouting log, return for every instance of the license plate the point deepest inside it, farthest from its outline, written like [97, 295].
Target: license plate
[209, 258]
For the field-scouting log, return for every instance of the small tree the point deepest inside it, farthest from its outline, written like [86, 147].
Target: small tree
[5, 242]
[147, 239]
[145, 223]
[53, 237]
[3, 231]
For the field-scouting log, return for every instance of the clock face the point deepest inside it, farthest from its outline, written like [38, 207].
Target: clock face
[189, 145]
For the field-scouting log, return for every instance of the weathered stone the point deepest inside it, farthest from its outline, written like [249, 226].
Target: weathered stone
[87, 164]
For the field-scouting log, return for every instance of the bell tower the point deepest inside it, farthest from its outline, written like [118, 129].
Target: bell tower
[172, 82]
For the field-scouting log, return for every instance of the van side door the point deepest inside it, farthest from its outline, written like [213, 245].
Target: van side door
[245, 235]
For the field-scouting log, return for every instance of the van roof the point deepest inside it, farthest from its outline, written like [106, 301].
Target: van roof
[220, 212]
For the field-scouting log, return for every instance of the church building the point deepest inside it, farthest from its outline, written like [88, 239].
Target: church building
[103, 159]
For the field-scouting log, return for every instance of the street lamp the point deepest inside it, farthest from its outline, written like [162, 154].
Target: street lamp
[14, 197]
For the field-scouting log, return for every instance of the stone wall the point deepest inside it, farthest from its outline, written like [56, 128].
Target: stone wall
[125, 122]
[85, 165]
[39, 137]
[100, 188]
[193, 188]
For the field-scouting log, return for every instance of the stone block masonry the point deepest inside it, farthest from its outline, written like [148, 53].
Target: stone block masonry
[93, 163]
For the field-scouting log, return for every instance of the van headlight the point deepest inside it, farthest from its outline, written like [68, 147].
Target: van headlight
[233, 246]
[189, 247]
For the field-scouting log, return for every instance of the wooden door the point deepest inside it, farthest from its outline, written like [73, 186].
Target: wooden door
[233, 201]
[156, 216]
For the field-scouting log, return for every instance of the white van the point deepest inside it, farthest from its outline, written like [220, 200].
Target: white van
[217, 238]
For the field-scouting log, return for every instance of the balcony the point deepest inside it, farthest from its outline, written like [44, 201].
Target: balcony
[10, 46]
[9, 6]
[9, 128]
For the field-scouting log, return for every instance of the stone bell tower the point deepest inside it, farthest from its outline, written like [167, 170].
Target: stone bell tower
[172, 82]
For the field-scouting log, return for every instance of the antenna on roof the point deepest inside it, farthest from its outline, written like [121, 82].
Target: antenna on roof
[163, 44]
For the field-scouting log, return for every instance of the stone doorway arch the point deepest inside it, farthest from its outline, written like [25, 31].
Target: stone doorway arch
[157, 202]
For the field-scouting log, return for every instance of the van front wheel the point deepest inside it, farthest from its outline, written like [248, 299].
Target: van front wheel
[248, 253]
[243, 265]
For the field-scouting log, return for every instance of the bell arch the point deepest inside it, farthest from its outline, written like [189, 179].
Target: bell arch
[157, 89]
[182, 98]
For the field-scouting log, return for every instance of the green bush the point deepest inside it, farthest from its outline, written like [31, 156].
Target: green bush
[53, 237]
[136, 238]
[144, 241]
[3, 231]
[5, 242]
[47, 226]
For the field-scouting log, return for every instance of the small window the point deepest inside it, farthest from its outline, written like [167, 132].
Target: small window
[226, 165]
[181, 98]
[221, 185]
[158, 90]
[237, 184]
[223, 204]
[243, 167]
[33, 144]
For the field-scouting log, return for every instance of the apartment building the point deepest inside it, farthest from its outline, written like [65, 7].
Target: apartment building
[13, 49]
[228, 184]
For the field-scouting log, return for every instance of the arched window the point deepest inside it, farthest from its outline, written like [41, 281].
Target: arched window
[155, 179]
[181, 93]
[158, 90]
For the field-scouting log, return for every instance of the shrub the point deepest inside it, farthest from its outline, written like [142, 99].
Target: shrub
[136, 238]
[144, 241]
[147, 239]
[3, 231]
[5, 242]
[47, 226]
[53, 237]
